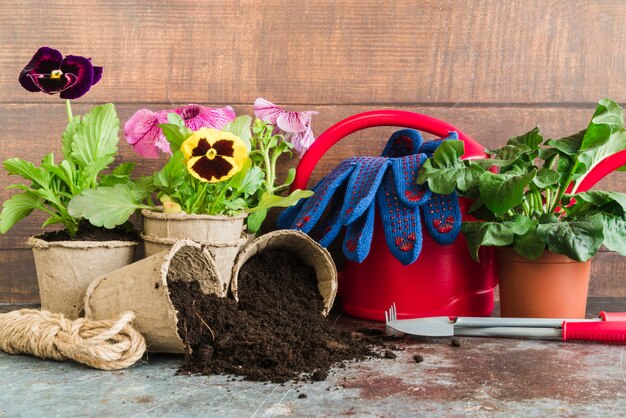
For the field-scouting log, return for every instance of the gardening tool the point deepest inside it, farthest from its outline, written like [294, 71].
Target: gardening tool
[608, 327]
[444, 280]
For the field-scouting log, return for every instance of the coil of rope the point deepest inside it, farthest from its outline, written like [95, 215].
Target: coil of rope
[105, 344]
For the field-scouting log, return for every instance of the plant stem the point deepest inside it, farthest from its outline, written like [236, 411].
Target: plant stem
[564, 186]
[68, 108]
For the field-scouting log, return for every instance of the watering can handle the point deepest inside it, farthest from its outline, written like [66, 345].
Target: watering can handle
[371, 119]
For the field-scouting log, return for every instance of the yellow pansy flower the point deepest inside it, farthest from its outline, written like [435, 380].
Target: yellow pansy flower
[212, 155]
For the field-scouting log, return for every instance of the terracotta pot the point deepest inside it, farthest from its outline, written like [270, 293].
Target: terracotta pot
[65, 269]
[552, 286]
[142, 287]
[199, 228]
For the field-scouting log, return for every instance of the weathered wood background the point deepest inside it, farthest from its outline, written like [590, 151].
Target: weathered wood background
[493, 68]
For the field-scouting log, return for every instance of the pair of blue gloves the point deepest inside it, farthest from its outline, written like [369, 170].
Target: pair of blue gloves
[347, 197]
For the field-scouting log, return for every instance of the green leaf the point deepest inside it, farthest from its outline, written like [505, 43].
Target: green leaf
[445, 171]
[546, 177]
[598, 199]
[105, 206]
[291, 175]
[608, 118]
[448, 154]
[96, 136]
[614, 233]
[174, 134]
[568, 145]
[532, 139]
[498, 234]
[175, 119]
[67, 138]
[528, 244]
[501, 192]
[255, 220]
[270, 201]
[578, 239]
[65, 172]
[241, 128]
[28, 171]
[252, 181]
[173, 174]
[124, 169]
[17, 208]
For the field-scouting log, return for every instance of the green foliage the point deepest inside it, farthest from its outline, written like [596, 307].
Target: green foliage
[254, 189]
[522, 199]
[88, 146]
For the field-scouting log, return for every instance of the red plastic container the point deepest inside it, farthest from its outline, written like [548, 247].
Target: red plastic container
[444, 281]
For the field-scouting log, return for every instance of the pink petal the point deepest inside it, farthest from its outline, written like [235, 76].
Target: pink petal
[266, 110]
[303, 140]
[198, 116]
[294, 121]
[143, 133]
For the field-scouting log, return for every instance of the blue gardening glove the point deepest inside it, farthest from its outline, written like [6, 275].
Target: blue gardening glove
[306, 213]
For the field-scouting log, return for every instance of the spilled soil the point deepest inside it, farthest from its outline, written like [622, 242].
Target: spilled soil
[275, 333]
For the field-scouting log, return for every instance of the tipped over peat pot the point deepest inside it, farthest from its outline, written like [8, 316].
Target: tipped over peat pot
[144, 286]
[66, 268]
[223, 236]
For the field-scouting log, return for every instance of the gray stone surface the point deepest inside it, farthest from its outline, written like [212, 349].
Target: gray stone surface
[482, 377]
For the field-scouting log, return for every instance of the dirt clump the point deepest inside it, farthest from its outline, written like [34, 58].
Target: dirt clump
[275, 333]
[89, 232]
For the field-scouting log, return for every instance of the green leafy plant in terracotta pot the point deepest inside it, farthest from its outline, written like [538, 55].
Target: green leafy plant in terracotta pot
[221, 177]
[66, 261]
[528, 203]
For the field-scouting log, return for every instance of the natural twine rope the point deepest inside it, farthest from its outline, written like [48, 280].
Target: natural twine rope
[105, 345]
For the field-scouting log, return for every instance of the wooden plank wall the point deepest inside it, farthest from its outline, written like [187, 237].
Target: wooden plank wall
[494, 68]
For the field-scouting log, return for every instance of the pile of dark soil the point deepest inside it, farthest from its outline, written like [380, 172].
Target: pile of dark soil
[275, 333]
[88, 232]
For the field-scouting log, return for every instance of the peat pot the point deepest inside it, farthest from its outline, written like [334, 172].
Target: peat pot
[552, 286]
[200, 228]
[65, 269]
[223, 236]
[142, 287]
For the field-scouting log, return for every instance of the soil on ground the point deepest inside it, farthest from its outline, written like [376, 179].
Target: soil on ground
[275, 333]
[88, 232]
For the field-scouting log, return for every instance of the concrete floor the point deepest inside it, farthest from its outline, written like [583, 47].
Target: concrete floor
[482, 377]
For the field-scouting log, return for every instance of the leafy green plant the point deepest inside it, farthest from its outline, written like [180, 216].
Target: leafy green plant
[526, 195]
[251, 186]
[89, 146]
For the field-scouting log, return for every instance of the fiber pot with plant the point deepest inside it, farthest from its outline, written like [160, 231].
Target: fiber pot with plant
[530, 203]
[66, 261]
[221, 172]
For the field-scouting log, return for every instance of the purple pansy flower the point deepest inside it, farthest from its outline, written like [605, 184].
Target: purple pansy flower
[144, 134]
[295, 125]
[49, 72]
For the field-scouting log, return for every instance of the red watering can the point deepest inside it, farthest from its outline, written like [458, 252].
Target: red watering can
[444, 281]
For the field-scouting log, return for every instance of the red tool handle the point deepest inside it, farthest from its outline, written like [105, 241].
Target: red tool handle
[369, 120]
[608, 332]
[613, 316]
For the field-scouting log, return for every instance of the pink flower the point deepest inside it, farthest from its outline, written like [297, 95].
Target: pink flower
[197, 116]
[144, 134]
[295, 125]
